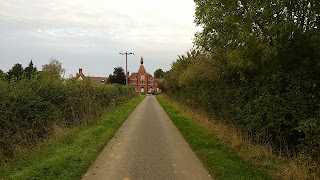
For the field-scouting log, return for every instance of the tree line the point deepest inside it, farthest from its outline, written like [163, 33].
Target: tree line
[33, 103]
[256, 64]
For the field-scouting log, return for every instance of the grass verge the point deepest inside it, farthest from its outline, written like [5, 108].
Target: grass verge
[219, 159]
[71, 151]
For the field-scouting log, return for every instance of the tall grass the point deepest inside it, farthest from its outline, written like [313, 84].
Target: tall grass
[219, 159]
[241, 142]
[274, 104]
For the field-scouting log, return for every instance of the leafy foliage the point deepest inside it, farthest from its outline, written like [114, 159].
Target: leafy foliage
[71, 151]
[118, 76]
[2, 75]
[30, 70]
[30, 108]
[54, 68]
[256, 64]
[15, 72]
[159, 73]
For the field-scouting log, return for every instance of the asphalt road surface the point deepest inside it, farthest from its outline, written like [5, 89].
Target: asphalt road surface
[147, 146]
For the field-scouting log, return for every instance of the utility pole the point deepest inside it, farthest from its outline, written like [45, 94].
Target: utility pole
[126, 53]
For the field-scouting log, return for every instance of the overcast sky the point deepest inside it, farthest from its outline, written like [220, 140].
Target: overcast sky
[90, 34]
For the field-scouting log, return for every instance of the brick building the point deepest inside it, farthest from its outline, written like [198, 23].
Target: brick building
[80, 76]
[142, 81]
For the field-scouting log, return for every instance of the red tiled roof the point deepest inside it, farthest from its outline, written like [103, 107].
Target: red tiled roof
[142, 70]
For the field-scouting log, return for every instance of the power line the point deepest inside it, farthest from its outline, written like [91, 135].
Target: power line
[53, 33]
[33, 25]
[44, 26]
[126, 53]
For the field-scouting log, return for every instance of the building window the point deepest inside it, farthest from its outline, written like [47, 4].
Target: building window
[134, 82]
[150, 82]
[142, 82]
[142, 77]
[142, 89]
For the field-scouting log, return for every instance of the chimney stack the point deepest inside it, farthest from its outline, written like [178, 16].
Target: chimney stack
[80, 71]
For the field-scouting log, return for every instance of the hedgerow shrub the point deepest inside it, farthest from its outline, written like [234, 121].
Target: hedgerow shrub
[30, 108]
[267, 59]
[281, 108]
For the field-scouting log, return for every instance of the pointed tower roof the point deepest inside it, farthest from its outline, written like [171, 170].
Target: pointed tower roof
[142, 70]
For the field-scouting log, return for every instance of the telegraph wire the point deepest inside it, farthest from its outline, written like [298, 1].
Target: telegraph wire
[53, 34]
[43, 29]
[63, 36]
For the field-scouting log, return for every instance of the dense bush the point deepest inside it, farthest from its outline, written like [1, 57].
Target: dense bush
[257, 65]
[197, 79]
[30, 108]
[282, 108]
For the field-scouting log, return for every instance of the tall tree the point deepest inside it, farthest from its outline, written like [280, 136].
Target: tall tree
[253, 34]
[30, 70]
[159, 73]
[15, 72]
[54, 68]
[271, 54]
[2, 75]
[118, 76]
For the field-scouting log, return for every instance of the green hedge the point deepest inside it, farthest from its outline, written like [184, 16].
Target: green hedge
[281, 108]
[257, 65]
[30, 108]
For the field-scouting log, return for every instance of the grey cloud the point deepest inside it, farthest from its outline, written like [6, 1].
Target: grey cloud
[90, 36]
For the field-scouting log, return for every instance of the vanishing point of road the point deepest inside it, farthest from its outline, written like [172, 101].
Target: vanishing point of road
[147, 146]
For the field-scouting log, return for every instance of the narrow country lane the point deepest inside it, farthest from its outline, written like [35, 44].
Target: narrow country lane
[147, 146]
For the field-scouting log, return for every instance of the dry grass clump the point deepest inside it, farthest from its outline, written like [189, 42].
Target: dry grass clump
[279, 166]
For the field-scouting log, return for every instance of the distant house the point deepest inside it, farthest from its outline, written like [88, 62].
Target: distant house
[101, 80]
[80, 76]
[142, 81]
